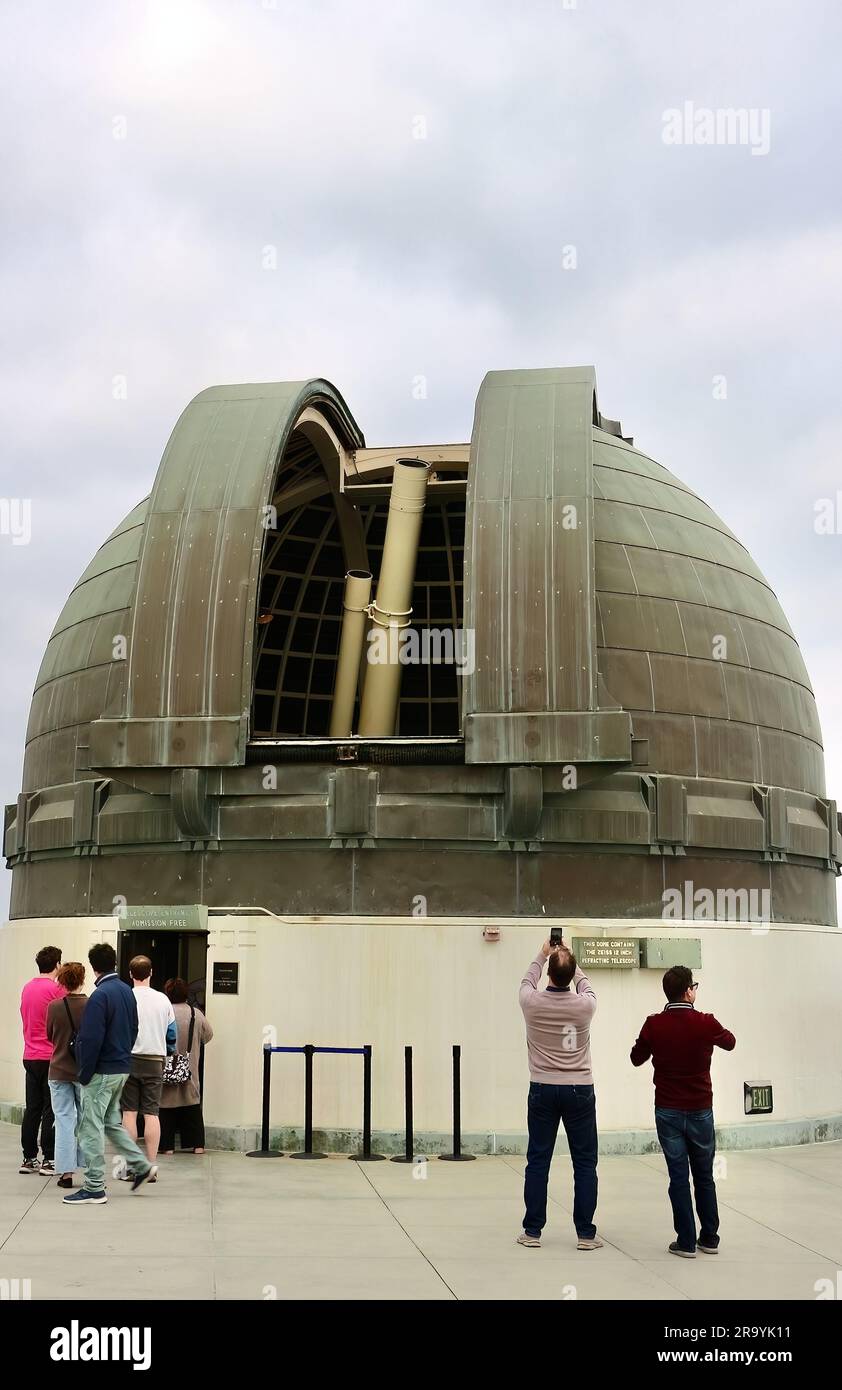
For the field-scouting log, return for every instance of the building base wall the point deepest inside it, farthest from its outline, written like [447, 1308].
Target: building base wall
[433, 982]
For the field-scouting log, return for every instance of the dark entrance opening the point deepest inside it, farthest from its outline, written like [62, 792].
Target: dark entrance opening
[182, 953]
[172, 953]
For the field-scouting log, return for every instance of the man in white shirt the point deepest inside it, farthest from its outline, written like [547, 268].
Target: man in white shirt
[156, 1035]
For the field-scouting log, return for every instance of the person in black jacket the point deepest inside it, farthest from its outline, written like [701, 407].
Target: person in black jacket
[103, 1052]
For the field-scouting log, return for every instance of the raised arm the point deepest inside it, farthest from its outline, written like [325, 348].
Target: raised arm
[532, 978]
[642, 1050]
[720, 1037]
[585, 989]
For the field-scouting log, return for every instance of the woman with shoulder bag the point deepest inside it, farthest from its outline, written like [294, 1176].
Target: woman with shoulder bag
[62, 1024]
[181, 1102]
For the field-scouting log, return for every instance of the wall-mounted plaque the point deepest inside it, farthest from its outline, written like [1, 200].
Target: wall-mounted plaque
[661, 952]
[226, 977]
[188, 918]
[607, 952]
[757, 1097]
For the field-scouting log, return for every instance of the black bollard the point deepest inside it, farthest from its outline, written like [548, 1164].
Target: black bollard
[365, 1155]
[408, 1156]
[307, 1152]
[264, 1151]
[457, 1156]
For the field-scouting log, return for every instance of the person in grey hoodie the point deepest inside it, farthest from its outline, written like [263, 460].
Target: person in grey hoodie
[561, 1089]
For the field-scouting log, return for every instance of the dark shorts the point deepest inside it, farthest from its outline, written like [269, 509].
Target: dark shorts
[142, 1091]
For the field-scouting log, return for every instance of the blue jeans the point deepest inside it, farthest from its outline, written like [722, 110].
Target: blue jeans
[687, 1139]
[575, 1108]
[67, 1108]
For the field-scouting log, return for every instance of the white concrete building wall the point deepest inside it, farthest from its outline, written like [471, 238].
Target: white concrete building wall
[431, 983]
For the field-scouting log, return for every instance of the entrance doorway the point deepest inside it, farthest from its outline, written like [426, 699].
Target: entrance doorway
[172, 953]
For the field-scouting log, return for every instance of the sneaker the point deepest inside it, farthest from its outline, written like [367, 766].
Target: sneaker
[675, 1249]
[149, 1176]
[583, 1243]
[30, 1165]
[707, 1249]
[93, 1199]
[126, 1176]
[531, 1242]
[47, 1167]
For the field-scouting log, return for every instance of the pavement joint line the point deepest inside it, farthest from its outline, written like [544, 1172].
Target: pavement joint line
[44, 1185]
[808, 1177]
[421, 1252]
[762, 1224]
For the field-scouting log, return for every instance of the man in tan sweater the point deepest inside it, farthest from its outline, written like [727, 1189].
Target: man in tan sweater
[558, 1021]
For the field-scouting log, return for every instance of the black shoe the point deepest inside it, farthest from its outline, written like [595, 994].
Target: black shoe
[707, 1249]
[64, 1182]
[675, 1249]
[149, 1176]
[30, 1165]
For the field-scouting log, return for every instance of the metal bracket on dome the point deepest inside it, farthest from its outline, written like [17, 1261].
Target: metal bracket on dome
[192, 808]
[523, 802]
[529, 575]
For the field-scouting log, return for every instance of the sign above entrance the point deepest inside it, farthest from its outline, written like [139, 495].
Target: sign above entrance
[607, 952]
[189, 918]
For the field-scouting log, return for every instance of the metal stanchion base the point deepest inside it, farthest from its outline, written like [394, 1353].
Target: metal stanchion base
[264, 1153]
[457, 1158]
[366, 1158]
[402, 1158]
[302, 1155]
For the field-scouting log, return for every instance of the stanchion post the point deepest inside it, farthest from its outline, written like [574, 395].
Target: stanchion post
[307, 1152]
[408, 1155]
[457, 1156]
[264, 1151]
[365, 1155]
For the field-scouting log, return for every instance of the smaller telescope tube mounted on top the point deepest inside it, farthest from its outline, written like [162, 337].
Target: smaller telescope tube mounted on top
[352, 640]
[392, 609]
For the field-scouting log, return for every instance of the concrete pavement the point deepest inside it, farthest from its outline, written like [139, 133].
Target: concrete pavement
[224, 1226]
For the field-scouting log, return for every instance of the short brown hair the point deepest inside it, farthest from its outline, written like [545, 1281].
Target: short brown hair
[48, 958]
[562, 967]
[72, 975]
[176, 990]
[140, 967]
[677, 981]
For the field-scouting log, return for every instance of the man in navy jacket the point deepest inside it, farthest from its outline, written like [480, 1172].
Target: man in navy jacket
[103, 1056]
[680, 1042]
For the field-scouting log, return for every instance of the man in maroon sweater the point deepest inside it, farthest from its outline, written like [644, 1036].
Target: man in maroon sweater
[680, 1042]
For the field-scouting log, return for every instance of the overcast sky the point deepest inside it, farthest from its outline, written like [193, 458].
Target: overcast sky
[443, 188]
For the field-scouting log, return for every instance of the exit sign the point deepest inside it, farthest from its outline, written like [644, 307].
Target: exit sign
[758, 1097]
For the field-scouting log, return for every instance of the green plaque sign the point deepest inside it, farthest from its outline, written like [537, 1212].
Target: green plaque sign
[188, 918]
[607, 952]
[758, 1097]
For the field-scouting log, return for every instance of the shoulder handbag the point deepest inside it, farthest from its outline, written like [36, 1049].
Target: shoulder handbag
[71, 1046]
[177, 1067]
